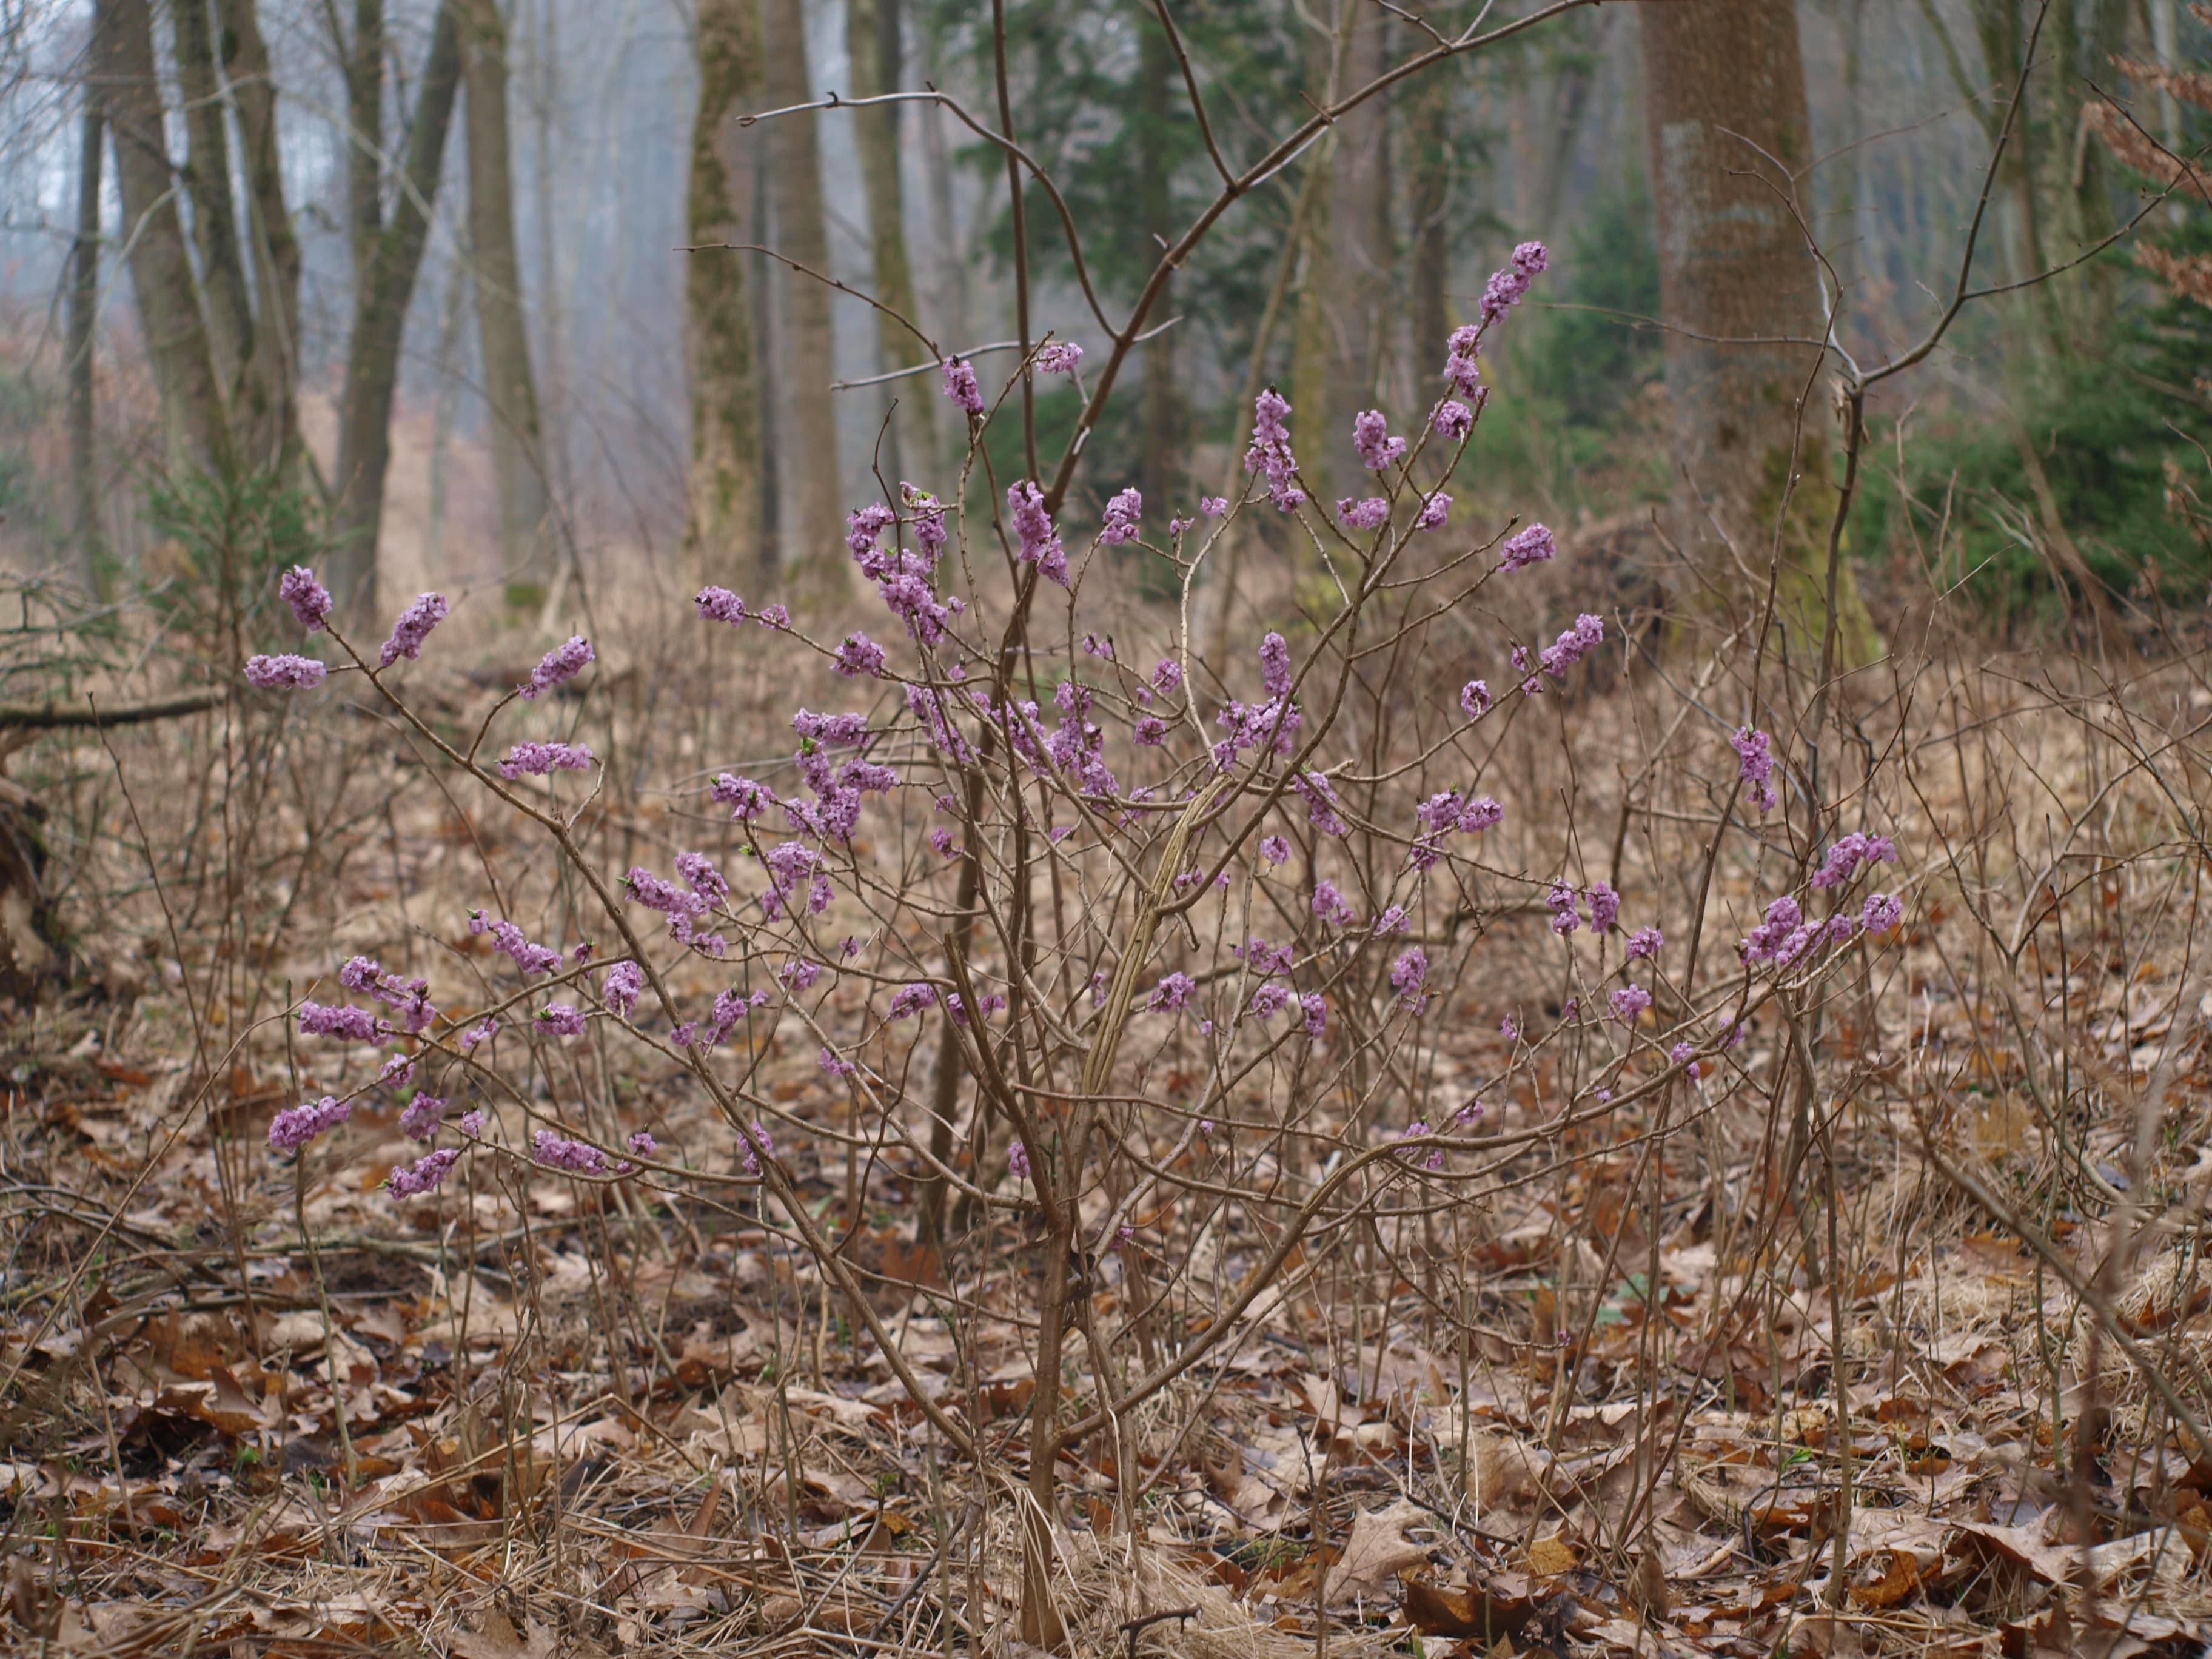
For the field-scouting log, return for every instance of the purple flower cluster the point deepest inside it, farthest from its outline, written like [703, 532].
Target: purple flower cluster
[1264, 959]
[1848, 854]
[1475, 699]
[1410, 972]
[1462, 370]
[684, 905]
[560, 1020]
[1314, 1015]
[1525, 547]
[1452, 419]
[284, 672]
[295, 1126]
[413, 627]
[1331, 906]
[506, 936]
[642, 1143]
[1172, 994]
[1604, 908]
[1017, 1160]
[1560, 902]
[1034, 529]
[1058, 357]
[910, 999]
[1446, 809]
[557, 1152]
[1436, 508]
[1644, 942]
[790, 865]
[309, 599]
[425, 1174]
[1628, 1002]
[1372, 439]
[1755, 757]
[1270, 453]
[902, 577]
[1507, 285]
[1274, 849]
[1368, 514]
[860, 657]
[753, 1145]
[1269, 1000]
[719, 604]
[960, 385]
[562, 663]
[423, 1114]
[624, 980]
[353, 1024]
[408, 998]
[1121, 514]
[1323, 810]
[1882, 912]
[537, 759]
[1573, 645]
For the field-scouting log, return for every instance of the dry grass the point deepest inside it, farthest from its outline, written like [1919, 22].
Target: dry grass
[531, 1415]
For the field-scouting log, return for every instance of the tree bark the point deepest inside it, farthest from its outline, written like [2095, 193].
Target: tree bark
[722, 531]
[813, 554]
[193, 419]
[1163, 439]
[1359, 292]
[275, 250]
[206, 181]
[392, 261]
[363, 58]
[1428, 184]
[503, 341]
[1724, 92]
[83, 307]
[875, 41]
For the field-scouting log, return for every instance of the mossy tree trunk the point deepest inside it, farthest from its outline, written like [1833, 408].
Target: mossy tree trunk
[1724, 92]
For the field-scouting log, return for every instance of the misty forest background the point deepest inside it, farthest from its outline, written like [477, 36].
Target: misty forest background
[458, 233]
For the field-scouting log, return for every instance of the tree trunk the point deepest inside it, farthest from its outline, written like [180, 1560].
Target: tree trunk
[504, 342]
[1162, 441]
[1358, 293]
[1428, 184]
[722, 539]
[83, 307]
[875, 40]
[814, 554]
[206, 181]
[275, 250]
[193, 419]
[1725, 90]
[363, 58]
[393, 260]
[446, 410]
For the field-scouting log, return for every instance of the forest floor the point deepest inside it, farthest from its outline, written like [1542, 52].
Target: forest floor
[253, 1406]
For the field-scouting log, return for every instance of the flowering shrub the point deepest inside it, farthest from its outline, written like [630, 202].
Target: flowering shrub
[1012, 893]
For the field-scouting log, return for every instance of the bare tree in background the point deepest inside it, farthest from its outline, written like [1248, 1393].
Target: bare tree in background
[816, 556]
[274, 246]
[1724, 89]
[517, 445]
[1164, 438]
[1351, 265]
[875, 41]
[722, 539]
[388, 258]
[83, 308]
[194, 424]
